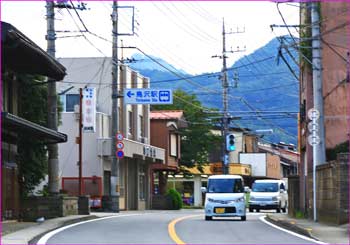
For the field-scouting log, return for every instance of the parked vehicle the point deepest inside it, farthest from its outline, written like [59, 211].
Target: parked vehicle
[225, 197]
[268, 194]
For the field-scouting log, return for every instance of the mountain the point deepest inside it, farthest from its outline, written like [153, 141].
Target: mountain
[265, 84]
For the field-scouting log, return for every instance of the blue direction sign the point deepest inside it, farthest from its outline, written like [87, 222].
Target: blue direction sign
[148, 96]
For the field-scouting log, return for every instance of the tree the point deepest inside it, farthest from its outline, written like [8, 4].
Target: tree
[197, 141]
[32, 153]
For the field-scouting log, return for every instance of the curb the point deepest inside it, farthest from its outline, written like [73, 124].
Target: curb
[34, 237]
[290, 225]
[61, 224]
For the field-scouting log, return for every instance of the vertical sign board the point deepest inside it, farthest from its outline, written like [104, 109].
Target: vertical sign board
[89, 110]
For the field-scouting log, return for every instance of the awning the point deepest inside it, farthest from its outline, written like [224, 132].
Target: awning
[22, 55]
[164, 167]
[17, 124]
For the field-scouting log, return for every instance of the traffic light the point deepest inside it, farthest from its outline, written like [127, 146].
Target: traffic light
[230, 142]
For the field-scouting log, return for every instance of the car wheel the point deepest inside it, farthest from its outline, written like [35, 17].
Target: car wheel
[284, 210]
[208, 218]
[257, 210]
[251, 210]
[243, 218]
[278, 210]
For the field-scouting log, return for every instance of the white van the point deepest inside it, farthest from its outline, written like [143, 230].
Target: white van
[224, 197]
[268, 194]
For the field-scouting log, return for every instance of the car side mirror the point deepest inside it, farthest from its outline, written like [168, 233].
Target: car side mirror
[203, 189]
[246, 189]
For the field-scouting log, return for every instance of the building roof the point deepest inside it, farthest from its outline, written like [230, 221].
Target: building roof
[20, 125]
[167, 114]
[20, 54]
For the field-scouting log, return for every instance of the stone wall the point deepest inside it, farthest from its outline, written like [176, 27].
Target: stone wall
[160, 202]
[332, 184]
[48, 207]
[293, 195]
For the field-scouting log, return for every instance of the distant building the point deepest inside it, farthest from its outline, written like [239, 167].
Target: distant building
[134, 124]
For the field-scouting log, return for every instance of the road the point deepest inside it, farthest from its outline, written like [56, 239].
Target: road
[172, 227]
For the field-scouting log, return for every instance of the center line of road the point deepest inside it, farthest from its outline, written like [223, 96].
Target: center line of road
[171, 228]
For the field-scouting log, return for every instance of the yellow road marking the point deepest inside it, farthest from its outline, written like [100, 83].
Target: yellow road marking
[171, 228]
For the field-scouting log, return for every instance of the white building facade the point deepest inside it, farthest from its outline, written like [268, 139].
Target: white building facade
[134, 124]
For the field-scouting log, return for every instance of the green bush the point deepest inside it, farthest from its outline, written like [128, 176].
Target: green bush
[175, 197]
[331, 154]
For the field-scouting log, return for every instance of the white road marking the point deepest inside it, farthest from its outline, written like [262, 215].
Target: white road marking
[47, 236]
[290, 232]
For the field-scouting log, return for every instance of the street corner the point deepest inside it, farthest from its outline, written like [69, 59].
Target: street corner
[289, 224]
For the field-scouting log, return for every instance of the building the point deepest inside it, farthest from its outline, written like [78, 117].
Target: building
[165, 126]
[335, 38]
[134, 122]
[20, 56]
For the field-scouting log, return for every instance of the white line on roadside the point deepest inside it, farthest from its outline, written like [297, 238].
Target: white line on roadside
[290, 232]
[47, 236]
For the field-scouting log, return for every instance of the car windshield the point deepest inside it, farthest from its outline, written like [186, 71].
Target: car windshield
[225, 186]
[265, 187]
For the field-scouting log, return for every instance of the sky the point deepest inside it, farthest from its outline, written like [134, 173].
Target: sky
[186, 34]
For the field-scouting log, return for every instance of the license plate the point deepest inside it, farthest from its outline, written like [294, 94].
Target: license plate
[219, 210]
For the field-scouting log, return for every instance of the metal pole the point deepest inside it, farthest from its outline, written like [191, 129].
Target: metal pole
[115, 126]
[317, 81]
[80, 142]
[319, 154]
[224, 99]
[53, 170]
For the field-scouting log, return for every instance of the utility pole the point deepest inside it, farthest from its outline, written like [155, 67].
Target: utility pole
[114, 198]
[80, 142]
[225, 86]
[224, 100]
[53, 184]
[317, 80]
[319, 154]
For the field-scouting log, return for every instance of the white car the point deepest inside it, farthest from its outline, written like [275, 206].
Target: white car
[225, 197]
[268, 194]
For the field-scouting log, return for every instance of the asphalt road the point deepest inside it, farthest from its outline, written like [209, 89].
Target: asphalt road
[172, 227]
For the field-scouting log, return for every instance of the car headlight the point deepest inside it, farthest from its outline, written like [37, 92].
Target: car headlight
[210, 200]
[274, 199]
[240, 199]
[252, 199]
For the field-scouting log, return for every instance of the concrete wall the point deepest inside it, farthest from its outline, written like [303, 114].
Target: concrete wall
[332, 191]
[293, 195]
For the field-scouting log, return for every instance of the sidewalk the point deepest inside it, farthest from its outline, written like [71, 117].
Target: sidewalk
[326, 233]
[24, 232]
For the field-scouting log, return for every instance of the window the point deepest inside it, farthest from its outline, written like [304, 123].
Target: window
[141, 125]
[130, 122]
[225, 186]
[173, 145]
[71, 101]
